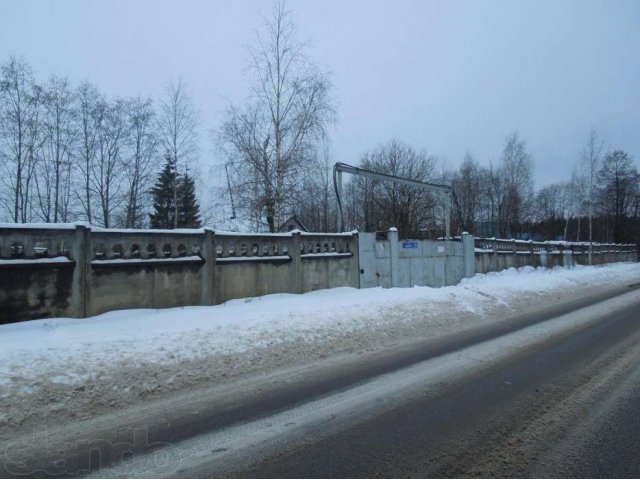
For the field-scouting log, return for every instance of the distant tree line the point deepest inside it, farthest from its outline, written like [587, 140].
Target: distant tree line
[600, 202]
[70, 153]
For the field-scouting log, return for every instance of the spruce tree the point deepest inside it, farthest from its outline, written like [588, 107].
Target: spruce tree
[170, 187]
[164, 208]
[188, 208]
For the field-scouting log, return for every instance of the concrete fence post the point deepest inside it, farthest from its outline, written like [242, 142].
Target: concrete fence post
[469, 254]
[566, 255]
[88, 256]
[571, 253]
[394, 255]
[356, 258]
[296, 261]
[208, 269]
[79, 287]
[544, 255]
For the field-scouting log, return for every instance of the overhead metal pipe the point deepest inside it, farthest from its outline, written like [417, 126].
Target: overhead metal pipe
[339, 168]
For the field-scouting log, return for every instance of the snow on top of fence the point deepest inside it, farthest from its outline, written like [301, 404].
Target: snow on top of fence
[119, 261]
[548, 242]
[329, 234]
[327, 254]
[48, 226]
[93, 228]
[31, 261]
[252, 234]
[286, 234]
[183, 231]
[255, 258]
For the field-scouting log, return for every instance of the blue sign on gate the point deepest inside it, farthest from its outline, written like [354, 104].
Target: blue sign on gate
[409, 244]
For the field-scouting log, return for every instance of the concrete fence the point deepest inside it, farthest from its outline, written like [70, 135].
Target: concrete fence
[78, 271]
[493, 255]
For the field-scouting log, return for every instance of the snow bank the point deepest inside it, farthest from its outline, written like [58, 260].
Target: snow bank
[65, 345]
[74, 352]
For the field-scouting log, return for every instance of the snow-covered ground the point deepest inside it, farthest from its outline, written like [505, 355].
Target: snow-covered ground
[76, 367]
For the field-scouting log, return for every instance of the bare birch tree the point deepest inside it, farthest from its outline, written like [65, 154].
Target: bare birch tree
[142, 144]
[272, 138]
[20, 104]
[317, 206]
[578, 191]
[589, 166]
[617, 193]
[55, 168]
[108, 170]
[517, 186]
[178, 136]
[467, 188]
[91, 109]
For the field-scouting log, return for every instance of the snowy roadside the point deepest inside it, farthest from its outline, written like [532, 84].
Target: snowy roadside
[63, 368]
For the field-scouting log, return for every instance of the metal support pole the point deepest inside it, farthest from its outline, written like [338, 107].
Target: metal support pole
[447, 233]
[447, 217]
[339, 187]
[394, 256]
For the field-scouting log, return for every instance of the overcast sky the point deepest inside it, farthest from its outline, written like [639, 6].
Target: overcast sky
[446, 76]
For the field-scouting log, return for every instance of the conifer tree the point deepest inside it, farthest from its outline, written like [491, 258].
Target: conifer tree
[169, 187]
[188, 208]
[164, 208]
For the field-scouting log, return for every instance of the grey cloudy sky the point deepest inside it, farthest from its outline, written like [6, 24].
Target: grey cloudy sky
[447, 76]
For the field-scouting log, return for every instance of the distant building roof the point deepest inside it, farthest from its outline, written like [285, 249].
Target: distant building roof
[293, 223]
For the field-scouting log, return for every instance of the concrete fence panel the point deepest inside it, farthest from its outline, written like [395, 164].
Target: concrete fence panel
[253, 265]
[38, 274]
[328, 261]
[145, 269]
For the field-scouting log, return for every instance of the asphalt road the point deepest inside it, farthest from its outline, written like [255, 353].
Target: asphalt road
[546, 394]
[567, 407]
